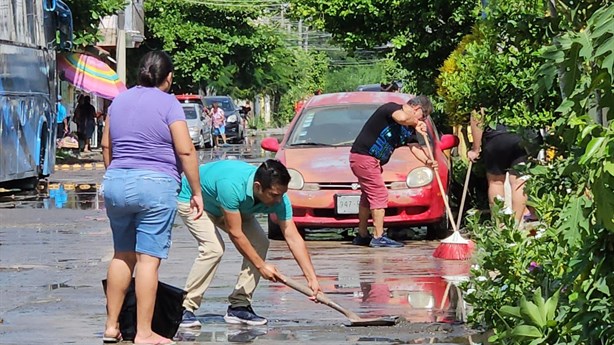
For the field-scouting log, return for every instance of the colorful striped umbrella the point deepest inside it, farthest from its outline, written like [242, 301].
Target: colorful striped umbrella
[90, 74]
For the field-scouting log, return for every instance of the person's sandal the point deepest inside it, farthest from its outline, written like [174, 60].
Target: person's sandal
[112, 340]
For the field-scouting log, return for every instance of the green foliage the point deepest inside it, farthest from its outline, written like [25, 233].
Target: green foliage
[512, 264]
[573, 248]
[86, 16]
[536, 319]
[309, 70]
[256, 122]
[219, 47]
[495, 65]
[231, 50]
[421, 34]
[347, 78]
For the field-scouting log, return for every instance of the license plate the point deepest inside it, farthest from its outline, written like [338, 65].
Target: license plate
[347, 204]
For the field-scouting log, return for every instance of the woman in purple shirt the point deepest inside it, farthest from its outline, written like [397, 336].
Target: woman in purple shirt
[145, 144]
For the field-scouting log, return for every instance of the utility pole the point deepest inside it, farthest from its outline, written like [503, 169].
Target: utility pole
[120, 46]
[300, 33]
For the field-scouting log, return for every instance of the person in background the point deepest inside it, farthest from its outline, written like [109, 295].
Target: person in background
[85, 117]
[101, 117]
[392, 87]
[219, 123]
[145, 145]
[234, 192]
[392, 125]
[61, 119]
[501, 150]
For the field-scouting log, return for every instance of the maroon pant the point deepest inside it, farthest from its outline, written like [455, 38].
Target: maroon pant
[369, 173]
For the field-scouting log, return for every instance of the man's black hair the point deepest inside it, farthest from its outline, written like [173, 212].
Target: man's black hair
[272, 172]
[424, 103]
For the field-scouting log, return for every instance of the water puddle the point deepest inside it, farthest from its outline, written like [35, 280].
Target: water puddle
[250, 153]
[53, 195]
[424, 294]
[15, 269]
[86, 196]
[56, 286]
[276, 335]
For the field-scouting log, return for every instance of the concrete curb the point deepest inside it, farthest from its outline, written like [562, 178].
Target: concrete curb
[77, 167]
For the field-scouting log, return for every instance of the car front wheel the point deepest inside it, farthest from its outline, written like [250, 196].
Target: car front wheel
[439, 230]
[209, 143]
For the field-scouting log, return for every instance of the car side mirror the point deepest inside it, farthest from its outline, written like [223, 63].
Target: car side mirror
[448, 141]
[270, 144]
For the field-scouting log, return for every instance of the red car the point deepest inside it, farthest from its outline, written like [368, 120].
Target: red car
[323, 190]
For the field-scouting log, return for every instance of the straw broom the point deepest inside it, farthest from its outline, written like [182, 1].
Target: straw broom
[454, 247]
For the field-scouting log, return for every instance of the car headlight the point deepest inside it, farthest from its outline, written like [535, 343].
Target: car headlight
[296, 180]
[232, 118]
[419, 177]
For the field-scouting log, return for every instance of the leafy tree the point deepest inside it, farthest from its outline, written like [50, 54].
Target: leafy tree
[86, 15]
[420, 33]
[496, 64]
[308, 72]
[232, 50]
[220, 47]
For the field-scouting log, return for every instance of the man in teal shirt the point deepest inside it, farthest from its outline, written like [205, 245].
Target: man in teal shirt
[233, 191]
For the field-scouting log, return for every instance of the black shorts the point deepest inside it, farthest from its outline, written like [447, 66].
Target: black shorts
[501, 152]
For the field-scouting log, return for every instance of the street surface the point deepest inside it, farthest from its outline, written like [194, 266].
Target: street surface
[55, 246]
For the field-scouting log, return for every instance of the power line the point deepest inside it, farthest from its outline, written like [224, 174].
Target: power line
[238, 3]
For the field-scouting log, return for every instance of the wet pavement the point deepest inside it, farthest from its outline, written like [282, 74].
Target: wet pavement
[55, 245]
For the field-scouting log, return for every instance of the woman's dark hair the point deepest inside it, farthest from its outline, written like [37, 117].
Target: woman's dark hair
[272, 172]
[154, 68]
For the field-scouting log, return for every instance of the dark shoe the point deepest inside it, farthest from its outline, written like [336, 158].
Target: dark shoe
[189, 320]
[385, 242]
[362, 241]
[244, 315]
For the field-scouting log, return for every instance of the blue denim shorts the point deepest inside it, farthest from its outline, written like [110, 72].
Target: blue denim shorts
[219, 131]
[141, 206]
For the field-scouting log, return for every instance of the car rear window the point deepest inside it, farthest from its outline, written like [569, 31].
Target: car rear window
[190, 111]
[336, 126]
[224, 103]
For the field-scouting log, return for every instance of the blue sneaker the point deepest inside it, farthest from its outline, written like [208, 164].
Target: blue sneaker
[189, 320]
[244, 315]
[385, 242]
[362, 241]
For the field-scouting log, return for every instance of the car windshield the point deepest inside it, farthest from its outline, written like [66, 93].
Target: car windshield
[224, 103]
[190, 111]
[331, 126]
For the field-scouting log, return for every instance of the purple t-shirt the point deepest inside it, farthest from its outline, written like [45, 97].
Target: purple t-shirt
[140, 134]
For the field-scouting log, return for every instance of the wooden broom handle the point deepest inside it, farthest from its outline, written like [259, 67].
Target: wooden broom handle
[465, 187]
[441, 190]
[321, 297]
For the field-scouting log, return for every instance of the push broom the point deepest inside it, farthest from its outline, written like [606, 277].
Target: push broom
[454, 247]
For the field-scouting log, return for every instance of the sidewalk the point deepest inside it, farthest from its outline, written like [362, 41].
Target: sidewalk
[84, 161]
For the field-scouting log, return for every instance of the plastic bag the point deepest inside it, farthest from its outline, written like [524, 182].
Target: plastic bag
[167, 312]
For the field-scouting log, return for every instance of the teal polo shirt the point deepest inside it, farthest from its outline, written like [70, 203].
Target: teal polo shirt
[229, 185]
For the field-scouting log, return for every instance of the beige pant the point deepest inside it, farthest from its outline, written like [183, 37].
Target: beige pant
[210, 251]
